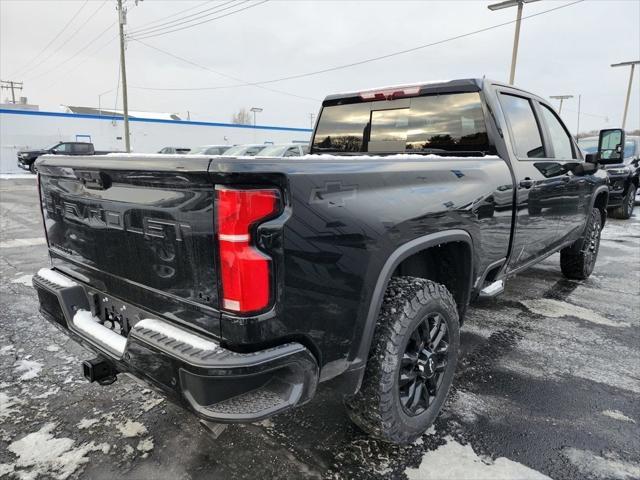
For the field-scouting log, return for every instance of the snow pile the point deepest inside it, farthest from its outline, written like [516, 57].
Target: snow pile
[43, 454]
[176, 333]
[145, 445]
[131, 429]
[28, 368]
[55, 277]
[607, 467]
[453, 461]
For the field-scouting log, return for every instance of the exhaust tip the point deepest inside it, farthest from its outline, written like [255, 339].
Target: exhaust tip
[99, 370]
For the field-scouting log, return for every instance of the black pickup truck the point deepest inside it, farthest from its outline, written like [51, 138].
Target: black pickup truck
[27, 158]
[235, 286]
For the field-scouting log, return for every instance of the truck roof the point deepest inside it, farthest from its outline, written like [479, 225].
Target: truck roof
[431, 86]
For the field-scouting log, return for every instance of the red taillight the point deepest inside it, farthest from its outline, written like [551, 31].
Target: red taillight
[245, 271]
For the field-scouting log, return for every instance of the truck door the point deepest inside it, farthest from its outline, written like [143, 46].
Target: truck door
[573, 205]
[540, 185]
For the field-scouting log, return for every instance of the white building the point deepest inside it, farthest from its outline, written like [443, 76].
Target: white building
[28, 129]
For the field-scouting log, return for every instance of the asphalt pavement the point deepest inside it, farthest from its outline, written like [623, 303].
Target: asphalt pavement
[548, 387]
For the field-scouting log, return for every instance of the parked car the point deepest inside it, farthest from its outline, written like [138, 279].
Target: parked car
[623, 176]
[246, 150]
[248, 283]
[285, 150]
[174, 150]
[27, 158]
[210, 150]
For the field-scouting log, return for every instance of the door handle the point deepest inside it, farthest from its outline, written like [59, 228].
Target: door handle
[526, 183]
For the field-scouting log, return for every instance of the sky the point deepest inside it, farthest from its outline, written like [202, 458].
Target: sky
[563, 52]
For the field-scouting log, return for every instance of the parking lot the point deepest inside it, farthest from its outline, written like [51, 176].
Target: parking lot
[548, 386]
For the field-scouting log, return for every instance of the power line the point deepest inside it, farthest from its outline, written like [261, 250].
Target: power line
[82, 60]
[143, 36]
[203, 67]
[361, 62]
[59, 48]
[174, 14]
[178, 21]
[28, 64]
[84, 47]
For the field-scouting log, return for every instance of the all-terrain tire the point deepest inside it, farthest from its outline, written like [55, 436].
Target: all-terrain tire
[377, 408]
[625, 210]
[578, 260]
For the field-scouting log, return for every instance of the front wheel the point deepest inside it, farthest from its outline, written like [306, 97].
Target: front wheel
[32, 168]
[625, 210]
[411, 362]
[578, 260]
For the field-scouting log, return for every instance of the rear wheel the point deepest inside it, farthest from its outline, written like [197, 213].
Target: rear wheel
[625, 210]
[411, 362]
[578, 260]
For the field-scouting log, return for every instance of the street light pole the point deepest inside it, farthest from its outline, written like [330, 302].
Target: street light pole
[626, 102]
[100, 101]
[122, 20]
[561, 98]
[516, 37]
[255, 110]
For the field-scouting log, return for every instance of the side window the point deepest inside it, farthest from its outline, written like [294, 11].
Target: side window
[559, 137]
[62, 148]
[524, 127]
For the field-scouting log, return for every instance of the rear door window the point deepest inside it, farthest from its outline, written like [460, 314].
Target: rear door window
[527, 140]
[562, 146]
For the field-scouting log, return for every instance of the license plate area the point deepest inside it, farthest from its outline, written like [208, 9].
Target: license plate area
[113, 313]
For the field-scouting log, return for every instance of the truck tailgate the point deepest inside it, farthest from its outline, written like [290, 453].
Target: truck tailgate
[138, 228]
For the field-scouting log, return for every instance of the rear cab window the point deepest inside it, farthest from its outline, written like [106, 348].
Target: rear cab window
[436, 123]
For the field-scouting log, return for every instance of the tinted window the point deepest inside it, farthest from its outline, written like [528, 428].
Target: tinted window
[559, 137]
[81, 148]
[524, 127]
[341, 127]
[450, 122]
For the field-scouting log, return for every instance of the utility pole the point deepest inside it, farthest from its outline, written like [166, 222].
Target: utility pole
[11, 85]
[516, 37]
[578, 127]
[626, 102]
[561, 98]
[122, 20]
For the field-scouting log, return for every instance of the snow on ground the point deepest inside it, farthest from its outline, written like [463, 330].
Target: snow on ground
[453, 461]
[87, 423]
[23, 242]
[130, 429]
[28, 368]
[548, 307]
[17, 176]
[41, 453]
[618, 415]
[23, 280]
[608, 466]
[7, 407]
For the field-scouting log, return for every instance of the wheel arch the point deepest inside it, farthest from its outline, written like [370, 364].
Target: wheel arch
[600, 200]
[401, 254]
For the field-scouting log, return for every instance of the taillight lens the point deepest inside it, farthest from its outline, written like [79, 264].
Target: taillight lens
[245, 271]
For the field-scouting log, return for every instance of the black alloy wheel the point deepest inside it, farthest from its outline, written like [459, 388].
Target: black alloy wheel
[423, 364]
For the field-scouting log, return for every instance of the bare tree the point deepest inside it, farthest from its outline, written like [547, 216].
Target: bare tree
[243, 117]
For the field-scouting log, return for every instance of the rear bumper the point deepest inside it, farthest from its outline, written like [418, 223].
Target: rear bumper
[215, 383]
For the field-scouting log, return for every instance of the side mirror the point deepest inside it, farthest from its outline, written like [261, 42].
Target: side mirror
[591, 158]
[611, 146]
